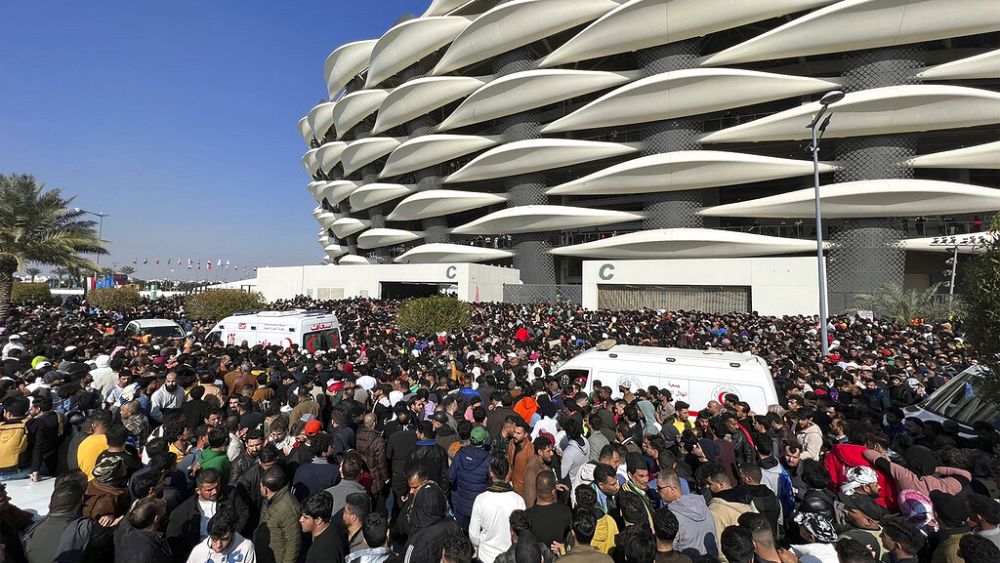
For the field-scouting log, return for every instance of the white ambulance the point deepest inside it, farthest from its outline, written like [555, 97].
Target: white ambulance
[693, 376]
[311, 330]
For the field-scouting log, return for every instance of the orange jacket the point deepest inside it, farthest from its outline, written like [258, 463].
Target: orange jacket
[518, 464]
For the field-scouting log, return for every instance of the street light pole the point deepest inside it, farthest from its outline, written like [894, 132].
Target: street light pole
[825, 101]
[100, 225]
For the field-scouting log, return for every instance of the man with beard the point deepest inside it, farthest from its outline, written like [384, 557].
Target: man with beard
[519, 453]
[169, 396]
[728, 502]
[253, 442]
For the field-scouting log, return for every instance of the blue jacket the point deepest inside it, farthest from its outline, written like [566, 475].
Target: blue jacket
[469, 475]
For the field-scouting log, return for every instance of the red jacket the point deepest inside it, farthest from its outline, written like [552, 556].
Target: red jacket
[845, 456]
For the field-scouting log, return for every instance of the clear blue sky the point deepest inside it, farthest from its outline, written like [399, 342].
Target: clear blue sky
[177, 118]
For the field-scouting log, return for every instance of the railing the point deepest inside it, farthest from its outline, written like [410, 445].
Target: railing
[526, 294]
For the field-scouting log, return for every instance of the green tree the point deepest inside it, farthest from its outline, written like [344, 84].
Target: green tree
[60, 274]
[429, 315]
[127, 270]
[33, 272]
[981, 295]
[39, 226]
[217, 304]
[904, 305]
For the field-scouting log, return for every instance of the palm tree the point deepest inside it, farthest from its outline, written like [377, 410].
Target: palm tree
[127, 270]
[32, 272]
[39, 226]
[904, 305]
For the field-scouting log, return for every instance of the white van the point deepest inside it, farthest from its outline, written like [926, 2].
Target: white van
[155, 328]
[310, 330]
[693, 376]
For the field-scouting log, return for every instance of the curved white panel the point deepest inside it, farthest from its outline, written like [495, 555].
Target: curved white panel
[317, 211]
[346, 226]
[523, 157]
[353, 259]
[328, 155]
[640, 24]
[316, 191]
[535, 218]
[354, 107]
[344, 63]
[326, 219]
[339, 190]
[420, 96]
[865, 24]
[514, 24]
[437, 203]
[869, 198]
[377, 238]
[306, 131]
[879, 111]
[686, 92]
[334, 250]
[529, 89]
[321, 119]
[409, 42]
[363, 151]
[685, 243]
[972, 243]
[374, 194]
[439, 7]
[309, 162]
[985, 65]
[438, 252]
[977, 156]
[685, 170]
[429, 150]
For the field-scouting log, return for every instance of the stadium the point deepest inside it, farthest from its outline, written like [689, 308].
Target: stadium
[654, 153]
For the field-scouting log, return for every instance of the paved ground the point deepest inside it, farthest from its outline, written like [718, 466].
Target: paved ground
[33, 497]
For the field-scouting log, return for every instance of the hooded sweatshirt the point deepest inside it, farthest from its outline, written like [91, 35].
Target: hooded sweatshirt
[845, 456]
[469, 475]
[696, 534]
[429, 525]
[105, 378]
[727, 506]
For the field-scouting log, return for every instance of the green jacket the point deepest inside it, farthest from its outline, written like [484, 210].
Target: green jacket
[211, 459]
[278, 537]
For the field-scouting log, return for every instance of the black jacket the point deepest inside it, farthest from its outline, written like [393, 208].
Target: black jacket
[398, 447]
[140, 546]
[767, 504]
[43, 443]
[429, 526]
[183, 528]
[435, 459]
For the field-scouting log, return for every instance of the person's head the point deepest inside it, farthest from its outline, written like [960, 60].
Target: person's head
[67, 496]
[417, 475]
[170, 383]
[952, 510]
[750, 474]
[584, 525]
[850, 550]
[814, 475]
[609, 455]
[208, 484]
[665, 525]
[456, 548]
[737, 545]
[117, 435]
[606, 479]
[499, 467]
[357, 506]
[901, 538]
[668, 485]
[545, 487]
[860, 511]
[715, 477]
[637, 545]
[316, 512]
[985, 511]
[632, 508]
[218, 438]
[543, 449]
[254, 442]
[99, 421]
[351, 466]
[147, 513]
[792, 453]
[521, 432]
[977, 549]
[637, 470]
[222, 530]
[375, 530]
[862, 481]
[369, 421]
[274, 480]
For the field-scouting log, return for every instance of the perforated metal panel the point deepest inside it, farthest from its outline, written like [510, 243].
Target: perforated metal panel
[866, 256]
[715, 299]
[532, 258]
[872, 158]
[672, 56]
[674, 209]
[542, 293]
[875, 68]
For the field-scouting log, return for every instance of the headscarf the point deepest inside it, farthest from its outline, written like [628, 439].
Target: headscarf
[918, 509]
[817, 525]
[858, 477]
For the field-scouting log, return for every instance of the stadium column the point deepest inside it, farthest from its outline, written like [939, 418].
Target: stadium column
[866, 254]
[677, 208]
[531, 250]
[435, 228]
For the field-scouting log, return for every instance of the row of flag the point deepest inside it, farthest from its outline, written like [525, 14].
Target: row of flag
[191, 264]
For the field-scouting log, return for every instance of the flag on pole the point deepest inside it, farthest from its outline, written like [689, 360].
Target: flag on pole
[209, 264]
[145, 260]
[168, 261]
[157, 260]
[218, 262]
[199, 264]
[135, 260]
[190, 263]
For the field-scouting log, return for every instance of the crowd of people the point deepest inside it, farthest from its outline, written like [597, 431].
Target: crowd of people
[470, 446]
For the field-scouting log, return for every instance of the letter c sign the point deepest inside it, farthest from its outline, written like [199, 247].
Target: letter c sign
[606, 272]
[450, 273]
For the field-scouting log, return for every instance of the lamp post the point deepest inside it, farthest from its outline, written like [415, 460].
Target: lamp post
[825, 101]
[100, 225]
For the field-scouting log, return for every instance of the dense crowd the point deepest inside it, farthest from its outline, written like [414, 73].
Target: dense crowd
[468, 446]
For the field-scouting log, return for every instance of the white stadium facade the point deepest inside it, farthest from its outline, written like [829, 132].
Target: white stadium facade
[627, 153]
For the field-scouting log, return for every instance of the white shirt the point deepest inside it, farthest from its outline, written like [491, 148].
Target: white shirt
[207, 509]
[240, 551]
[816, 553]
[489, 526]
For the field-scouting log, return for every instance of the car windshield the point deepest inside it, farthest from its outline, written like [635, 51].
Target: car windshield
[159, 331]
[322, 340]
[958, 400]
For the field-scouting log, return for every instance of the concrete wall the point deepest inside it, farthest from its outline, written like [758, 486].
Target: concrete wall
[778, 286]
[335, 282]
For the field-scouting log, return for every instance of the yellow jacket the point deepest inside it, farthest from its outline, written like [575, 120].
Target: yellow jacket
[604, 534]
[13, 442]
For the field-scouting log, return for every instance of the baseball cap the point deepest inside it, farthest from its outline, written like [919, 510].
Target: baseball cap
[313, 427]
[479, 436]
